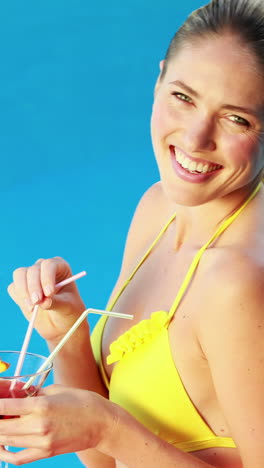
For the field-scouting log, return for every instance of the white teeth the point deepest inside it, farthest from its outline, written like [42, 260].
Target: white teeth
[193, 166]
[185, 163]
[181, 157]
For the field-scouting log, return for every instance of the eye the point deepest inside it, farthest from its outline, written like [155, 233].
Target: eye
[182, 97]
[239, 120]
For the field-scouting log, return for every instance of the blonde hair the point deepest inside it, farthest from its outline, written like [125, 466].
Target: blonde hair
[245, 18]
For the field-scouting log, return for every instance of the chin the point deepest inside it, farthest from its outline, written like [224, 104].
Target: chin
[183, 197]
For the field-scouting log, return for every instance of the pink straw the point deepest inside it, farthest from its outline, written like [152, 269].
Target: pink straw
[31, 326]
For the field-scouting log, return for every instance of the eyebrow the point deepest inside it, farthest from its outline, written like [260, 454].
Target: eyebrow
[247, 110]
[231, 107]
[186, 87]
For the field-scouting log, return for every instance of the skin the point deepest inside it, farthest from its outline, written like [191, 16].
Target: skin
[218, 345]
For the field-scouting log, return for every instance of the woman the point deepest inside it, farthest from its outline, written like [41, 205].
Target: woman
[186, 383]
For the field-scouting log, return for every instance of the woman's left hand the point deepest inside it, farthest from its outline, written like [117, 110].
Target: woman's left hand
[59, 420]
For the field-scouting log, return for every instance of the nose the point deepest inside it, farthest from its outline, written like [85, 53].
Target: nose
[199, 135]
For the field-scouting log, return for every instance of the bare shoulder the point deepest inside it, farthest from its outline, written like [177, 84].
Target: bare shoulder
[153, 207]
[235, 285]
[152, 212]
[238, 269]
[233, 307]
[231, 335]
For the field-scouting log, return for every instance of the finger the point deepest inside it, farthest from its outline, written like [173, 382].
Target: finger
[20, 288]
[35, 290]
[49, 268]
[53, 271]
[14, 407]
[23, 440]
[40, 260]
[18, 427]
[46, 303]
[12, 292]
[23, 303]
[24, 456]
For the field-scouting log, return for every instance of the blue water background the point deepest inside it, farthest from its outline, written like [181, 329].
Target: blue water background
[76, 87]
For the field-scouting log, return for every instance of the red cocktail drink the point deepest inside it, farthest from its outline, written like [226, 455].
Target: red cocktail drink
[15, 386]
[17, 392]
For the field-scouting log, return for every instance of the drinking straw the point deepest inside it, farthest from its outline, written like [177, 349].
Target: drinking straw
[68, 335]
[31, 326]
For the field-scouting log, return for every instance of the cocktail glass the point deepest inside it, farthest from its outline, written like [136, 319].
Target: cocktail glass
[11, 386]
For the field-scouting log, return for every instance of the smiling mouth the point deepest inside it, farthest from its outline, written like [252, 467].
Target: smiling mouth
[192, 166]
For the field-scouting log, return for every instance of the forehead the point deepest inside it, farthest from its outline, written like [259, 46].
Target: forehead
[221, 66]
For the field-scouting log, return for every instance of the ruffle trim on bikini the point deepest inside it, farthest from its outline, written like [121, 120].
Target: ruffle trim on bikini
[140, 333]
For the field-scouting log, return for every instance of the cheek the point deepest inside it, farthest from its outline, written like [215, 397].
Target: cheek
[162, 119]
[241, 149]
[158, 123]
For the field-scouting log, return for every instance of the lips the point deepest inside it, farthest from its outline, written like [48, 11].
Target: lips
[194, 166]
[196, 171]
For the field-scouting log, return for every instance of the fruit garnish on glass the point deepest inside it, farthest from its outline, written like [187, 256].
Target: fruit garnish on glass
[3, 366]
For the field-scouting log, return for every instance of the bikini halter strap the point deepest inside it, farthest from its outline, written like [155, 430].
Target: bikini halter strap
[197, 257]
[115, 298]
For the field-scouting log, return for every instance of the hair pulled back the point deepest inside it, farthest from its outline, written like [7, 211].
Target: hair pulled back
[244, 18]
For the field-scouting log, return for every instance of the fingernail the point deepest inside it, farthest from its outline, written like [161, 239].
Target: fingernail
[47, 291]
[48, 303]
[34, 297]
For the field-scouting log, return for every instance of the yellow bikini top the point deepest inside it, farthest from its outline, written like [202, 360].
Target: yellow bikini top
[145, 380]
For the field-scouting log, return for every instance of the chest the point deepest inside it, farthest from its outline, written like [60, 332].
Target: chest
[155, 286]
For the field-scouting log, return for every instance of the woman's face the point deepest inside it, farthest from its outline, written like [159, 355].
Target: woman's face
[208, 121]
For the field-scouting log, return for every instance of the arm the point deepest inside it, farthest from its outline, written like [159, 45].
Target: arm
[57, 312]
[136, 447]
[231, 334]
[65, 420]
[75, 365]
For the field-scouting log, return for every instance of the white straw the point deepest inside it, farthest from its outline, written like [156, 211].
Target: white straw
[31, 326]
[25, 345]
[71, 279]
[70, 332]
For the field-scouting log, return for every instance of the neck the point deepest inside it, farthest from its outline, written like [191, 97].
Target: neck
[196, 224]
